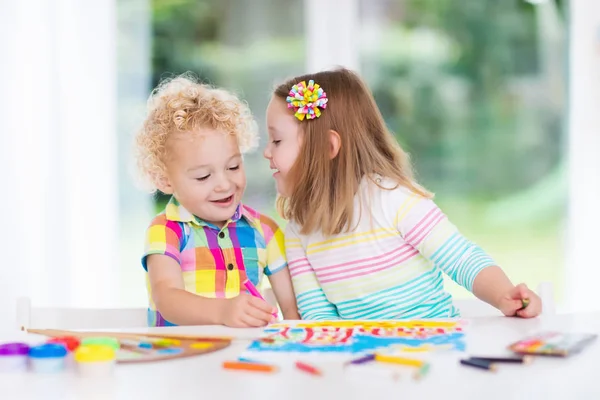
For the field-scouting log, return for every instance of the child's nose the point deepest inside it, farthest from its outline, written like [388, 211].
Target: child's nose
[223, 185]
[267, 153]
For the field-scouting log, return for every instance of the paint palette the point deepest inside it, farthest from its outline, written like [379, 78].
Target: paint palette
[145, 347]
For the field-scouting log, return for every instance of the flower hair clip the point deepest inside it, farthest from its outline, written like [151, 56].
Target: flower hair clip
[307, 100]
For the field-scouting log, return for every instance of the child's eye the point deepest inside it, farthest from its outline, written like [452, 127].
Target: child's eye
[276, 142]
[203, 178]
[234, 168]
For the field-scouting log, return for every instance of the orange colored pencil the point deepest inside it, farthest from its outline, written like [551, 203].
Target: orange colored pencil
[245, 366]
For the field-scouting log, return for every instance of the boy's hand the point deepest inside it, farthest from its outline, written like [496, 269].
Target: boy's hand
[246, 311]
[520, 301]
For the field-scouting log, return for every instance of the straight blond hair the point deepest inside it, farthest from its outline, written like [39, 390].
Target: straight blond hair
[323, 189]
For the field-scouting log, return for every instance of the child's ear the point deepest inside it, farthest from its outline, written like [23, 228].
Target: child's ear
[335, 143]
[164, 185]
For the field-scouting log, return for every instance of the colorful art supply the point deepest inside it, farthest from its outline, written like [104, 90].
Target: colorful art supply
[165, 342]
[481, 364]
[95, 360]
[506, 360]
[254, 292]
[70, 342]
[302, 366]
[421, 365]
[553, 344]
[103, 341]
[524, 303]
[13, 357]
[362, 360]
[170, 350]
[141, 347]
[359, 337]
[412, 362]
[49, 357]
[201, 345]
[422, 371]
[251, 367]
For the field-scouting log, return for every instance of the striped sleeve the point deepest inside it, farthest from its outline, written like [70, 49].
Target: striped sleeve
[312, 301]
[425, 227]
[163, 237]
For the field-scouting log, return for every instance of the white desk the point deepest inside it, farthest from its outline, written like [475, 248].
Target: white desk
[202, 378]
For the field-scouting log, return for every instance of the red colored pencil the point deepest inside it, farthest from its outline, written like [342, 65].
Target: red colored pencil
[308, 368]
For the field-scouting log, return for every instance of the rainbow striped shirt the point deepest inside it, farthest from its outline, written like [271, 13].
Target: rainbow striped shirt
[389, 267]
[214, 262]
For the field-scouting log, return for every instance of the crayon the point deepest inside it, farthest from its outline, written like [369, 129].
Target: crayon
[399, 360]
[481, 364]
[245, 366]
[308, 368]
[362, 360]
[508, 360]
[422, 371]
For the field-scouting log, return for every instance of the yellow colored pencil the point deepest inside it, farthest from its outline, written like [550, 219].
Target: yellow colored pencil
[399, 360]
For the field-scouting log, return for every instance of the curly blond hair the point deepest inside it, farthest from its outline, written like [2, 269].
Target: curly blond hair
[183, 104]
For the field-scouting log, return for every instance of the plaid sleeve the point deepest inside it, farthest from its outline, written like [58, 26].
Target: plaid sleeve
[163, 237]
[275, 247]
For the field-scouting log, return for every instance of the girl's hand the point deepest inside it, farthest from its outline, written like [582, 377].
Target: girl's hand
[246, 311]
[520, 301]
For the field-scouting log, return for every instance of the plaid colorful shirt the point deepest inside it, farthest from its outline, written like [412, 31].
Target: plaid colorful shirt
[214, 262]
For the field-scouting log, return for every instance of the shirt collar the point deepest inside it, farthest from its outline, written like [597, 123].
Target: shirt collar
[174, 211]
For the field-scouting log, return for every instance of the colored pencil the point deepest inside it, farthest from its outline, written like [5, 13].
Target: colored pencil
[508, 360]
[361, 360]
[254, 292]
[308, 368]
[422, 371]
[399, 360]
[252, 367]
[524, 303]
[481, 364]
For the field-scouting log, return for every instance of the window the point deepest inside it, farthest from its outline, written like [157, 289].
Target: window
[480, 103]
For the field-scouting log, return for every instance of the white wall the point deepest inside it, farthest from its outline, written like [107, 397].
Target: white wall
[583, 263]
[58, 153]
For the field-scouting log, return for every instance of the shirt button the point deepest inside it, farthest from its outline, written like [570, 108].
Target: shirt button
[230, 267]
[222, 235]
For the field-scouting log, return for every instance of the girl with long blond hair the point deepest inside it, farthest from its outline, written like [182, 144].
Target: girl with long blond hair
[364, 240]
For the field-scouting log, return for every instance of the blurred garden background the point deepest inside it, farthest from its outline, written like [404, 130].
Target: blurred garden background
[475, 90]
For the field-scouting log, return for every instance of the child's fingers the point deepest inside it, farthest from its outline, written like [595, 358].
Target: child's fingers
[252, 321]
[260, 313]
[532, 308]
[262, 305]
[510, 307]
[523, 290]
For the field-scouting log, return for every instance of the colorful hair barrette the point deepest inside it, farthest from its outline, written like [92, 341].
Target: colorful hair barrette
[307, 100]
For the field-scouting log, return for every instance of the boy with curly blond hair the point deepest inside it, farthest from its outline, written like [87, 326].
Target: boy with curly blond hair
[205, 244]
